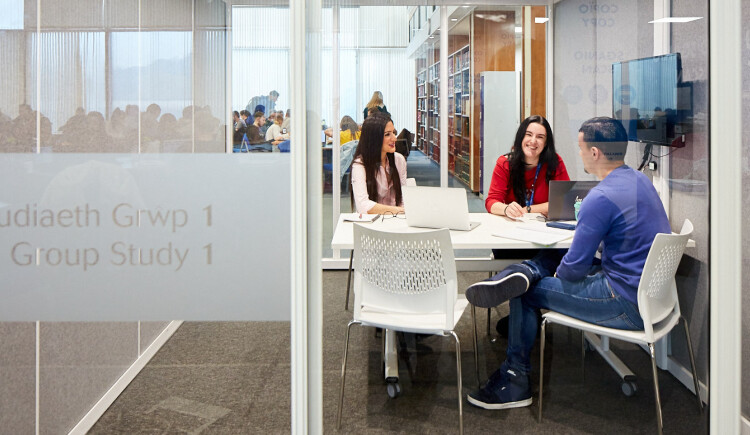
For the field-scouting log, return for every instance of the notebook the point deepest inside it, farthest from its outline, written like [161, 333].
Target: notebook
[563, 196]
[535, 233]
[437, 207]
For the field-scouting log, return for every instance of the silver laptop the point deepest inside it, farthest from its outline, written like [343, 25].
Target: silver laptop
[437, 207]
[563, 196]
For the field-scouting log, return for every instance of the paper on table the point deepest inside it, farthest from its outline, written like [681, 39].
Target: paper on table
[540, 235]
[356, 217]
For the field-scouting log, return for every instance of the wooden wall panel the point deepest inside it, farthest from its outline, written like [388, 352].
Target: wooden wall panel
[538, 62]
[493, 49]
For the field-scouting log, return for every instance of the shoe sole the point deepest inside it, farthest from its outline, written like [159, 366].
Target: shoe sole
[488, 294]
[507, 405]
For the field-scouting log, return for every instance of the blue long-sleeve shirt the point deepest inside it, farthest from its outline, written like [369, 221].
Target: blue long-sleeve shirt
[623, 213]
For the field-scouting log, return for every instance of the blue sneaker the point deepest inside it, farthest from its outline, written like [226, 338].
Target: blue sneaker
[505, 389]
[506, 285]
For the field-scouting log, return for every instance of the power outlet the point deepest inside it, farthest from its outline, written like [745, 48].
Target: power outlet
[652, 166]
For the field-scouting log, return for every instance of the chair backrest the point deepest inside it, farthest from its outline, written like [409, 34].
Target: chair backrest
[347, 155]
[412, 273]
[657, 291]
[404, 140]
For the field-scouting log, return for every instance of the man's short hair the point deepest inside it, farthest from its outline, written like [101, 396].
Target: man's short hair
[274, 94]
[259, 114]
[245, 112]
[608, 135]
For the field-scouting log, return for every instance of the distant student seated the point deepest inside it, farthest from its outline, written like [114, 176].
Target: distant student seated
[349, 130]
[378, 172]
[254, 135]
[623, 214]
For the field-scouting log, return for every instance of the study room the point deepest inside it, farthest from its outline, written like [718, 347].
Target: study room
[353, 216]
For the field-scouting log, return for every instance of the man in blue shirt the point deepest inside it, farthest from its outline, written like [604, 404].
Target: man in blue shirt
[268, 103]
[623, 214]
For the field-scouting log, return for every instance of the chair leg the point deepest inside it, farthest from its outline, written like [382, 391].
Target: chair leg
[489, 315]
[659, 422]
[541, 366]
[349, 281]
[583, 356]
[474, 335]
[460, 387]
[692, 363]
[343, 374]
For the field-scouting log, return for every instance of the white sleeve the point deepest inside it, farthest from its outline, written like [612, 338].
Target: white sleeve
[362, 201]
[271, 132]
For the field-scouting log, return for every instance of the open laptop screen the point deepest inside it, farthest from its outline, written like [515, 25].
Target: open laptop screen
[437, 207]
[563, 196]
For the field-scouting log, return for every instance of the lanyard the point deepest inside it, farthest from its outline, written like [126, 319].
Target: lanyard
[530, 201]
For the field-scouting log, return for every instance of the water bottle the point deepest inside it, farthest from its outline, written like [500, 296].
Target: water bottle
[577, 206]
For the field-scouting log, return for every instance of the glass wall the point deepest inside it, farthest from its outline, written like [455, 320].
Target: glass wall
[563, 60]
[369, 43]
[125, 78]
[125, 104]
[745, 212]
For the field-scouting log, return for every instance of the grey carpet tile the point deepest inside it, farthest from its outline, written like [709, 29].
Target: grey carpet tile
[234, 378]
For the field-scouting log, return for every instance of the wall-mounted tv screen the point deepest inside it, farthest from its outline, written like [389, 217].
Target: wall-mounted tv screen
[651, 100]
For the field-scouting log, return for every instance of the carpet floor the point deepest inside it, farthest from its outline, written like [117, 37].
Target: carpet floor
[234, 378]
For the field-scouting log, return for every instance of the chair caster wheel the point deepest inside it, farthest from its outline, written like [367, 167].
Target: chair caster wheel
[629, 387]
[393, 389]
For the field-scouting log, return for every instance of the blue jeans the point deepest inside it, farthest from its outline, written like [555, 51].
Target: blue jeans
[592, 300]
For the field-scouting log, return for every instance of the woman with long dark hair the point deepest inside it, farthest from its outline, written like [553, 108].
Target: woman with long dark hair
[378, 172]
[520, 181]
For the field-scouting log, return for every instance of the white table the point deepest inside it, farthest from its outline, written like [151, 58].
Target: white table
[479, 238]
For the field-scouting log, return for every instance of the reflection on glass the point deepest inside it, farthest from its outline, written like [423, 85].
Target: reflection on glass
[113, 78]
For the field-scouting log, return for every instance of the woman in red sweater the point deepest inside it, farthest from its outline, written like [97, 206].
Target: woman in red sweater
[520, 181]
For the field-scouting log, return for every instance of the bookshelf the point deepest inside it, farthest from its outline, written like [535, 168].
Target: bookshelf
[459, 113]
[485, 40]
[459, 134]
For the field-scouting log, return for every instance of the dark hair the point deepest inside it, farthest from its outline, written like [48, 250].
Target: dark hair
[245, 112]
[236, 113]
[368, 150]
[608, 135]
[517, 163]
[258, 114]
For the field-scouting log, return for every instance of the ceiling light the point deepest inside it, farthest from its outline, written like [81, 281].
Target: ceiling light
[454, 19]
[540, 20]
[675, 20]
[519, 29]
[432, 36]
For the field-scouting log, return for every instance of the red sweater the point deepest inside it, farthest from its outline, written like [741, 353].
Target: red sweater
[502, 191]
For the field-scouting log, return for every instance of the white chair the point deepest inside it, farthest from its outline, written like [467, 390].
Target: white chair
[409, 182]
[405, 282]
[657, 304]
